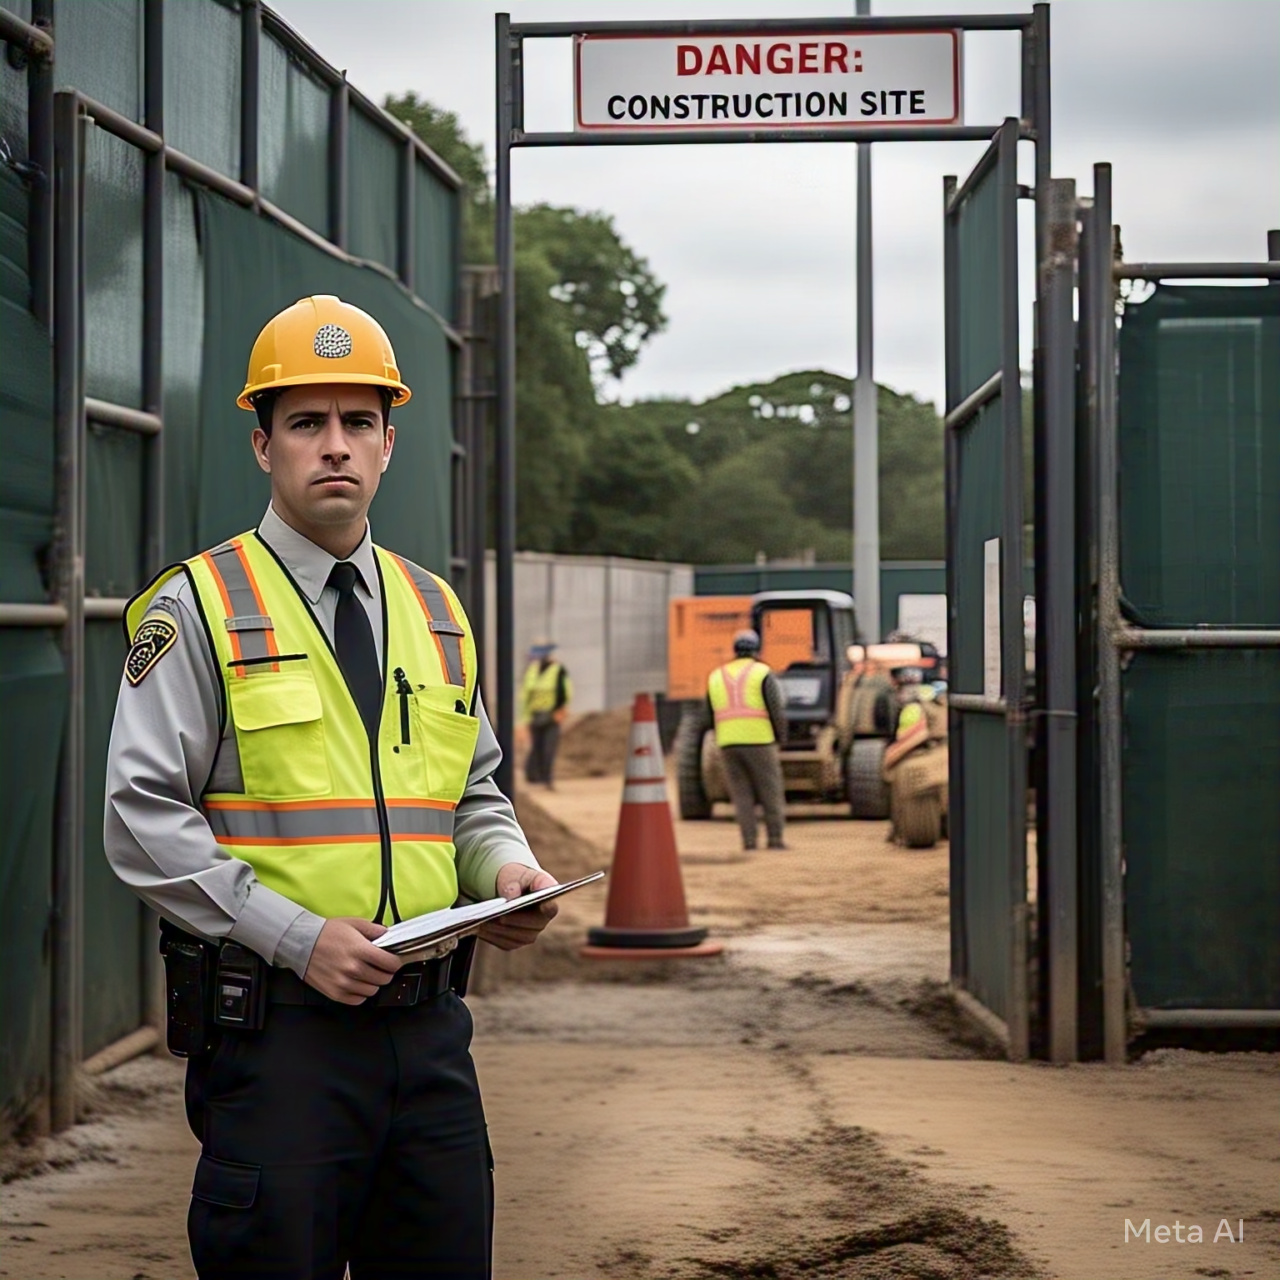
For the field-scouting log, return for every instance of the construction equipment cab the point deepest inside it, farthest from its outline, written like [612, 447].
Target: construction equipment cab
[805, 639]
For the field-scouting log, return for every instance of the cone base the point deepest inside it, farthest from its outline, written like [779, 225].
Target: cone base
[678, 936]
[591, 952]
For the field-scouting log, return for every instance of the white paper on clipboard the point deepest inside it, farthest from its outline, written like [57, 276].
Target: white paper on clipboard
[453, 922]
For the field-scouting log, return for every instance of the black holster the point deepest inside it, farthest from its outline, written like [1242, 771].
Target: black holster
[187, 988]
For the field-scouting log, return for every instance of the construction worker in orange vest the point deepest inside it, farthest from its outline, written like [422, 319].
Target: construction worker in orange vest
[749, 711]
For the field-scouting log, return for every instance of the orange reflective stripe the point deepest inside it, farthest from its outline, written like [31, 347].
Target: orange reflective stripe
[242, 602]
[292, 822]
[446, 635]
[735, 688]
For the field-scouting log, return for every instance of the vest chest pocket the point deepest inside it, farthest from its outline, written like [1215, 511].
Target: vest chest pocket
[445, 739]
[280, 734]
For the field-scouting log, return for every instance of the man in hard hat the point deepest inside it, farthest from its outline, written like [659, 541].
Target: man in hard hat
[299, 758]
[545, 695]
[749, 712]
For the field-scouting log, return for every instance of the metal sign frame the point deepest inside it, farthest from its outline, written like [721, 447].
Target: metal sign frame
[1033, 126]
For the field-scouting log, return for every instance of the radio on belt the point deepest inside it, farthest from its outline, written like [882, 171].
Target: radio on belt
[240, 988]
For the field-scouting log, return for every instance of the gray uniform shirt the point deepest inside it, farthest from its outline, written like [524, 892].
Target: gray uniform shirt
[167, 750]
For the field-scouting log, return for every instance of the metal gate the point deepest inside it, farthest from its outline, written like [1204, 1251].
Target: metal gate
[985, 557]
[1184, 466]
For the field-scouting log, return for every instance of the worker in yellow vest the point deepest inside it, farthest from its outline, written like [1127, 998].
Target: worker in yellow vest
[749, 712]
[300, 757]
[545, 695]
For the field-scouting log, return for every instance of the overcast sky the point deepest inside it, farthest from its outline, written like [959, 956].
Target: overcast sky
[755, 242]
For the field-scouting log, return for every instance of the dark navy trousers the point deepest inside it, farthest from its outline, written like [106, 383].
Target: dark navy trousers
[342, 1136]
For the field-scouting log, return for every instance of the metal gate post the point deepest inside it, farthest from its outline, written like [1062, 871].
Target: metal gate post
[955, 721]
[1055, 617]
[505, 436]
[1106, 536]
[68, 852]
[1013, 658]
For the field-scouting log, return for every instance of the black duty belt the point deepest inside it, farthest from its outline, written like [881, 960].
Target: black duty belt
[412, 984]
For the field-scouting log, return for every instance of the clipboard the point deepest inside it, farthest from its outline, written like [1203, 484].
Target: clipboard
[451, 923]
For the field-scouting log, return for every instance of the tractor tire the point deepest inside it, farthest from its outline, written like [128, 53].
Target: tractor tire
[919, 820]
[864, 784]
[694, 804]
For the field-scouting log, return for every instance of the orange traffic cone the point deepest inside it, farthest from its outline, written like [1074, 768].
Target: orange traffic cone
[646, 917]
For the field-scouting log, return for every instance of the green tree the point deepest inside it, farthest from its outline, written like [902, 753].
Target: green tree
[442, 131]
[610, 291]
[632, 482]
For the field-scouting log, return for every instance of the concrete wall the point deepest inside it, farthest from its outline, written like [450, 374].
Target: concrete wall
[608, 615]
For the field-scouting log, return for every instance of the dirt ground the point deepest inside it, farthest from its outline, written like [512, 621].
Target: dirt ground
[808, 1104]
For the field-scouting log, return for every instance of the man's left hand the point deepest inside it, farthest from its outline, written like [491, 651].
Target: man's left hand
[520, 927]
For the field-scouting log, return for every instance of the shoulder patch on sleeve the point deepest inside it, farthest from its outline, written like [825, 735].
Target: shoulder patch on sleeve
[155, 638]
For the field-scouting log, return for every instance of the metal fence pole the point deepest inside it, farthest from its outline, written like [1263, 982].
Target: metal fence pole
[1056, 614]
[1107, 537]
[68, 852]
[1273, 250]
[153, 559]
[866, 427]
[505, 441]
[40, 154]
[250, 54]
[339, 219]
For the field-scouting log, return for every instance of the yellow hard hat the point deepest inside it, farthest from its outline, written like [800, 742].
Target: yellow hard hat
[322, 339]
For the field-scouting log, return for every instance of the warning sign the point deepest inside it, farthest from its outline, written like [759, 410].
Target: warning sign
[795, 82]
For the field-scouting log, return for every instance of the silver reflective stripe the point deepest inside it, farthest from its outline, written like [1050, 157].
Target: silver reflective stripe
[438, 611]
[303, 825]
[407, 820]
[256, 622]
[322, 825]
[244, 604]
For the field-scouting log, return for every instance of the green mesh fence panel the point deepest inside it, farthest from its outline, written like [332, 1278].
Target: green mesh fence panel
[114, 479]
[1202, 827]
[374, 161]
[33, 695]
[987, 862]
[253, 268]
[13, 107]
[436, 215]
[979, 517]
[202, 112]
[986, 859]
[112, 269]
[183, 340]
[1200, 456]
[32, 685]
[99, 50]
[293, 136]
[26, 413]
[113, 1003]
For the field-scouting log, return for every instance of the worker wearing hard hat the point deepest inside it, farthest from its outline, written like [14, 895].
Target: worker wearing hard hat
[749, 711]
[545, 694]
[300, 757]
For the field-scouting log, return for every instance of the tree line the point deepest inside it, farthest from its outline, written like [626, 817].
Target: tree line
[760, 470]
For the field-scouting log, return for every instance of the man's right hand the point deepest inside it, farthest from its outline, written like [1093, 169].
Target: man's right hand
[345, 965]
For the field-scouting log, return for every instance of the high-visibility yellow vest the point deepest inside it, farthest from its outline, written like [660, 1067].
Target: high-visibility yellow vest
[736, 691]
[539, 688]
[340, 825]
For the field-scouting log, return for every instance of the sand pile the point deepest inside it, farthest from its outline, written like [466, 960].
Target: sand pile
[594, 745]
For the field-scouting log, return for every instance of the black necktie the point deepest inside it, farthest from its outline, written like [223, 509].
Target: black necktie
[353, 639]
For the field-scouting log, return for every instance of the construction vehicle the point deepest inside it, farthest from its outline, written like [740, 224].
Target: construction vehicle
[839, 714]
